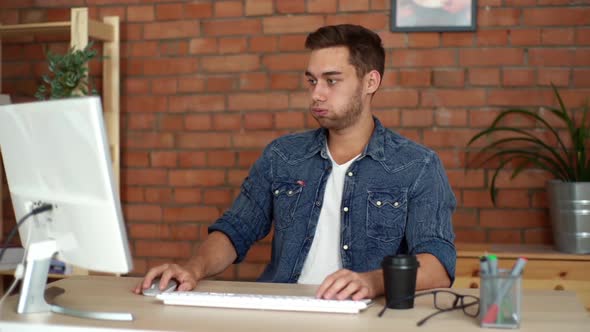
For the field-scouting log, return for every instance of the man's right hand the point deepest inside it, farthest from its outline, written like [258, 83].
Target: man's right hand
[186, 276]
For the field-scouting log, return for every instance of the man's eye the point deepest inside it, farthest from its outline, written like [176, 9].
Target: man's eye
[331, 81]
[312, 81]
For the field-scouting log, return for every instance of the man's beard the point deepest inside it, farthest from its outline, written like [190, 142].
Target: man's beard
[352, 112]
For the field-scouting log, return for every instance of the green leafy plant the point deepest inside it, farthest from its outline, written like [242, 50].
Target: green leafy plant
[68, 74]
[566, 162]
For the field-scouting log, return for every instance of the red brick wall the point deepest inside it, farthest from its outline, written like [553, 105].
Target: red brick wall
[206, 84]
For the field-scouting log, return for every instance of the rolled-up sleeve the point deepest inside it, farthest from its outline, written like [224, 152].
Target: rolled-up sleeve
[429, 225]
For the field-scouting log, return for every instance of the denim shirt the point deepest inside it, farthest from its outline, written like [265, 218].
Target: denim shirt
[396, 199]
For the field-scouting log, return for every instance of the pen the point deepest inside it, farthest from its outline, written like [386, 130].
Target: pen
[483, 266]
[492, 313]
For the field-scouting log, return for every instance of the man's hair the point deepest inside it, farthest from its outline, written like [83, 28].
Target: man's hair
[364, 46]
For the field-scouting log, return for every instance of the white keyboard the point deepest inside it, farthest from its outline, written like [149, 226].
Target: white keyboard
[264, 302]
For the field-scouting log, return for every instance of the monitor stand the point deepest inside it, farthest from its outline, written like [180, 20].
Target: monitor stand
[32, 297]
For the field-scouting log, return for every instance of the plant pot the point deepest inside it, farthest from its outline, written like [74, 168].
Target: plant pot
[569, 206]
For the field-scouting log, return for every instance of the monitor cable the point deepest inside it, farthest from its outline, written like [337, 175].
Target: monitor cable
[20, 268]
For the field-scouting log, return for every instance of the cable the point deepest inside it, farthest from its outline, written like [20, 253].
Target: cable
[19, 271]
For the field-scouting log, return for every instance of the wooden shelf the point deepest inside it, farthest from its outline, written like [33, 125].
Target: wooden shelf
[81, 28]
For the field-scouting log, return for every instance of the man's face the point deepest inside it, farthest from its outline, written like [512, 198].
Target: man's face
[336, 91]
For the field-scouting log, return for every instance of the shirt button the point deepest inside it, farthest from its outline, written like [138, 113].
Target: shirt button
[350, 174]
[345, 247]
[318, 203]
[379, 203]
[396, 204]
[277, 192]
[290, 192]
[345, 209]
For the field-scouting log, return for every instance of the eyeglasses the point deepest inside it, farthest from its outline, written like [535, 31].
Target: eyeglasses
[444, 301]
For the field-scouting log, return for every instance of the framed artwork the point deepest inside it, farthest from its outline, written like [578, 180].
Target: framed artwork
[433, 15]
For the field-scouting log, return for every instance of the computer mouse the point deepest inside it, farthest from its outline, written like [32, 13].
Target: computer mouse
[154, 288]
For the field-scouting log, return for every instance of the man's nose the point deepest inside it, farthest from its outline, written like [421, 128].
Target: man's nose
[318, 92]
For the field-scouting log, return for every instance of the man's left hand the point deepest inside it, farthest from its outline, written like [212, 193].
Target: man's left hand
[345, 284]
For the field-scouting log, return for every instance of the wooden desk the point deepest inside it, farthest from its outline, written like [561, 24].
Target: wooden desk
[542, 311]
[546, 269]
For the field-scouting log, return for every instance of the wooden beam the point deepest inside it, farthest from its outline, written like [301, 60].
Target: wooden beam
[16, 29]
[99, 30]
[79, 28]
[111, 93]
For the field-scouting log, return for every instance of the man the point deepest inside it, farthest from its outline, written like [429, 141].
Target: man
[341, 197]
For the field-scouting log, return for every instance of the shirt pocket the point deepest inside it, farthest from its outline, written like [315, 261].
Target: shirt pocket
[286, 198]
[386, 214]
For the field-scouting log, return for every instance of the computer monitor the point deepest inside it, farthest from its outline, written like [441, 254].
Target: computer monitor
[56, 152]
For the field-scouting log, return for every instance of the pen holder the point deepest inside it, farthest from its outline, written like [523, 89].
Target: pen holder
[500, 296]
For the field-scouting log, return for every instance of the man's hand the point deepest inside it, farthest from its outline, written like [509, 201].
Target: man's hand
[187, 277]
[344, 284]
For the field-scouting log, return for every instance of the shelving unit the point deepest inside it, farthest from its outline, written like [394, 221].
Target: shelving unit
[81, 28]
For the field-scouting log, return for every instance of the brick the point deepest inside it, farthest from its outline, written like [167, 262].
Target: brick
[174, 48]
[220, 84]
[221, 158]
[203, 46]
[171, 30]
[288, 61]
[290, 6]
[373, 21]
[169, 12]
[205, 178]
[573, 16]
[518, 77]
[253, 139]
[557, 36]
[468, 235]
[253, 81]
[187, 195]
[258, 7]
[135, 159]
[288, 120]
[148, 140]
[353, 5]
[190, 159]
[498, 17]
[196, 10]
[170, 66]
[492, 38]
[198, 122]
[557, 76]
[519, 97]
[464, 218]
[322, 6]
[300, 100]
[449, 78]
[451, 158]
[258, 121]
[165, 86]
[228, 8]
[258, 101]
[145, 176]
[263, 43]
[538, 236]
[526, 179]
[396, 98]
[491, 56]
[190, 214]
[424, 40]
[191, 84]
[477, 198]
[380, 4]
[231, 63]
[514, 198]
[158, 195]
[417, 118]
[292, 42]
[582, 36]
[389, 118]
[140, 13]
[196, 103]
[170, 122]
[505, 236]
[512, 218]
[462, 178]
[451, 97]
[227, 122]
[393, 40]
[141, 121]
[131, 195]
[238, 27]
[447, 138]
[217, 197]
[145, 104]
[168, 249]
[291, 24]
[232, 45]
[445, 117]
[424, 58]
[582, 57]
[525, 37]
[581, 78]
[457, 39]
[203, 140]
[484, 76]
[143, 212]
[142, 49]
[285, 81]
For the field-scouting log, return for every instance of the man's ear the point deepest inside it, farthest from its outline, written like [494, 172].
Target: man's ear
[373, 80]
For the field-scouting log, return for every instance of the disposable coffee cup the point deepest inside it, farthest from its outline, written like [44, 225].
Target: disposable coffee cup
[399, 277]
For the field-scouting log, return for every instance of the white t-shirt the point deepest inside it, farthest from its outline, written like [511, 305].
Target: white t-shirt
[324, 258]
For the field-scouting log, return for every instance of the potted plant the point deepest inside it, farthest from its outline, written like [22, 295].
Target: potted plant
[567, 161]
[68, 75]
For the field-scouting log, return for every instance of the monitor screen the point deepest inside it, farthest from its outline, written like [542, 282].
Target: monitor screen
[56, 152]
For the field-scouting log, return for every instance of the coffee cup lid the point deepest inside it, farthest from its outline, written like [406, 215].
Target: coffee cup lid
[401, 261]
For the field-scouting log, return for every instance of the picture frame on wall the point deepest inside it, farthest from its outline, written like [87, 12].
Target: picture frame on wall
[433, 15]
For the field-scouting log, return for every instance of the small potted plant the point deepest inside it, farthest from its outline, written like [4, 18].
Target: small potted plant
[68, 75]
[567, 161]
